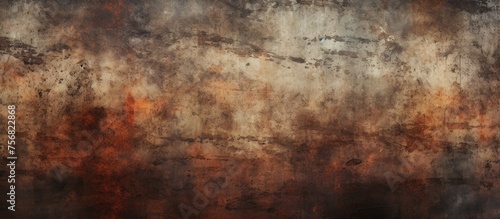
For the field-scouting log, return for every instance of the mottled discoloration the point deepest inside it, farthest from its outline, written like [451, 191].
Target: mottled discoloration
[333, 109]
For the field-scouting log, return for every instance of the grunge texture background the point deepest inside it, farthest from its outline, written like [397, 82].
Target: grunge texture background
[331, 108]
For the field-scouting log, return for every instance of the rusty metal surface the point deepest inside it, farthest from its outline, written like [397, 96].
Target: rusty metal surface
[252, 109]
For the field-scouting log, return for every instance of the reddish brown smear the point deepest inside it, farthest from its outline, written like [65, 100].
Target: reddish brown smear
[90, 118]
[108, 172]
[119, 10]
[419, 134]
[110, 14]
[434, 17]
[130, 108]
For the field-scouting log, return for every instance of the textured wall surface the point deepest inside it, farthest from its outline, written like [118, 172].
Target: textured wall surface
[252, 109]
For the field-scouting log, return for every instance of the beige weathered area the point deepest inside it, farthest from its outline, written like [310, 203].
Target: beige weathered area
[332, 109]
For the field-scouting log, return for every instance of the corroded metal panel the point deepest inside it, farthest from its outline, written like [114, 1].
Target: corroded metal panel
[250, 109]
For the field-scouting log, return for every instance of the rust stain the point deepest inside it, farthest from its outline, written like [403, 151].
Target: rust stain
[355, 110]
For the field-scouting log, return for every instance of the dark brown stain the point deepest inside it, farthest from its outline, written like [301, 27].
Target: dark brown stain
[297, 59]
[163, 129]
[471, 6]
[59, 47]
[213, 40]
[435, 18]
[24, 52]
[353, 162]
